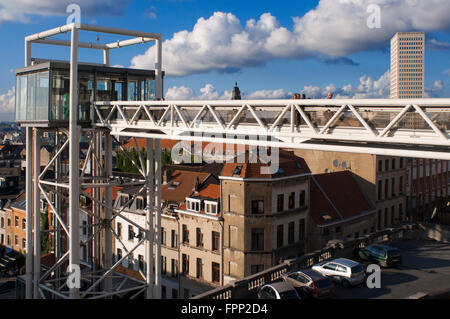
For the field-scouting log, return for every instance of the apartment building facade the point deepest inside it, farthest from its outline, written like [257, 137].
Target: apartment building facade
[13, 224]
[265, 215]
[191, 231]
[428, 187]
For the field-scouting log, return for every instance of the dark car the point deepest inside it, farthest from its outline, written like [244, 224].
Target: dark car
[310, 283]
[278, 290]
[384, 255]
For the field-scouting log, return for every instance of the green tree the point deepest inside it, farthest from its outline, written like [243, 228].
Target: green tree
[124, 163]
[45, 245]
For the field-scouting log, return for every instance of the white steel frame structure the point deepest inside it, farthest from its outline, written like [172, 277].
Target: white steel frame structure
[416, 128]
[97, 277]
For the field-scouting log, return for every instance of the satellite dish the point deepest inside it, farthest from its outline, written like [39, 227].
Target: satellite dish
[335, 163]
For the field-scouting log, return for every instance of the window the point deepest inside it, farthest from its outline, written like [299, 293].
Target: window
[16, 221]
[130, 261]
[16, 240]
[119, 230]
[393, 187]
[379, 190]
[185, 235]
[280, 234]
[130, 232]
[174, 294]
[301, 230]
[163, 265]
[185, 264]
[380, 166]
[400, 186]
[291, 229]
[24, 223]
[393, 163]
[174, 237]
[2, 239]
[193, 205]
[211, 208]
[386, 188]
[280, 203]
[119, 254]
[139, 203]
[199, 236]
[215, 272]
[123, 200]
[254, 269]
[141, 262]
[291, 200]
[163, 292]
[258, 239]
[9, 222]
[2, 222]
[215, 241]
[199, 268]
[257, 207]
[386, 212]
[401, 162]
[174, 270]
[386, 165]
[163, 236]
[8, 240]
[400, 212]
[303, 198]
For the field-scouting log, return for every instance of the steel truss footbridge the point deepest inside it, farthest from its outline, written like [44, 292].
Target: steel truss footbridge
[409, 128]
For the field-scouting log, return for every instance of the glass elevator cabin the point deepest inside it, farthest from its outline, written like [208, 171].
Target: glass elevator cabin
[43, 90]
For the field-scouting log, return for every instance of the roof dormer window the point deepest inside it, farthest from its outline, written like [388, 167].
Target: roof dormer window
[193, 204]
[211, 208]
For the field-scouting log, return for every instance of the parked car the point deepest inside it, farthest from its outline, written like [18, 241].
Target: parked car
[278, 290]
[384, 255]
[310, 283]
[343, 271]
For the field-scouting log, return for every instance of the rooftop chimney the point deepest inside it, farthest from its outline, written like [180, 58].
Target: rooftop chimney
[166, 176]
[197, 185]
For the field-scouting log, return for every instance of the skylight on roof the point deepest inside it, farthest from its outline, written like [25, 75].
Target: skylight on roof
[174, 185]
[237, 170]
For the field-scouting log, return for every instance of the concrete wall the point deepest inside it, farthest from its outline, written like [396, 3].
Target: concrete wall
[436, 232]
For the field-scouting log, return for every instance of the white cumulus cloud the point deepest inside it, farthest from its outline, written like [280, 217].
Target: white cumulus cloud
[329, 32]
[436, 90]
[7, 101]
[367, 88]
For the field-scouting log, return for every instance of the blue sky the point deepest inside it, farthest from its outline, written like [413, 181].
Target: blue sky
[271, 48]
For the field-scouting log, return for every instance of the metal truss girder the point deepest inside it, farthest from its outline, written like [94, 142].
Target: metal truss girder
[367, 128]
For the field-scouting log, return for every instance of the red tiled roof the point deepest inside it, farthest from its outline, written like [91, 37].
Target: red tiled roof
[115, 190]
[338, 196]
[142, 143]
[211, 191]
[185, 188]
[289, 163]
